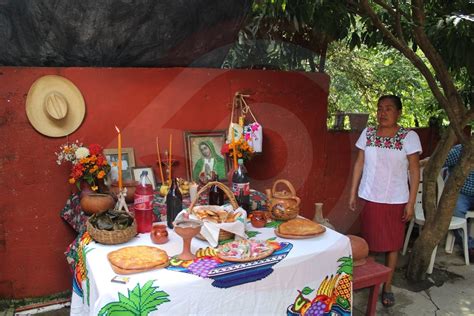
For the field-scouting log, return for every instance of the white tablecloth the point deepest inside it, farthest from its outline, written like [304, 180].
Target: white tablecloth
[308, 276]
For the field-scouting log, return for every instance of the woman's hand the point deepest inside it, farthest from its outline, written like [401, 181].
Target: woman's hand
[352, 203]
[409, 212]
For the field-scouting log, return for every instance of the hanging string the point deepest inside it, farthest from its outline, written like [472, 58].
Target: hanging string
[244, 107]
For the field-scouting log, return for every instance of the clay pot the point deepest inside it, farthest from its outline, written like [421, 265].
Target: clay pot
[360, 250]
[96, 203]
[258, 219]
[130, 185]
[159, 233]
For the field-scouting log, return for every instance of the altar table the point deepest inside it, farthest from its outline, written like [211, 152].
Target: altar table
[312, 275]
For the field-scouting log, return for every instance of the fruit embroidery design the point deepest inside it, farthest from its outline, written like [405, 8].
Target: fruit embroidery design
[229, 274]
[333, 296]
[140, 301]
[80, 269]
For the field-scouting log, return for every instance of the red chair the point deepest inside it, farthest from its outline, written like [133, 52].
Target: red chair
[370, 275]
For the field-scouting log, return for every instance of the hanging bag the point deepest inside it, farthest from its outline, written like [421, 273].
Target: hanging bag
[253, 132]
[235, 128]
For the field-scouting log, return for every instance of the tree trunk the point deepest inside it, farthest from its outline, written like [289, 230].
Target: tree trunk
[437, 214]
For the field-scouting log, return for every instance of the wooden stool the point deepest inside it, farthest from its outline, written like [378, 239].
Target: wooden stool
[370, 275]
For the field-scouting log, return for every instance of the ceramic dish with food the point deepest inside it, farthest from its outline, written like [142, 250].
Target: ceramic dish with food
[299, 228]
[244, 250]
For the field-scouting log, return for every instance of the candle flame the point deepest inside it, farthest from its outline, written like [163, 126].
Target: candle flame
[118, 131]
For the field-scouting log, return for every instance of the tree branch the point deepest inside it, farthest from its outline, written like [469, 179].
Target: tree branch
[421, 66]
[396, 17]
[454, 107]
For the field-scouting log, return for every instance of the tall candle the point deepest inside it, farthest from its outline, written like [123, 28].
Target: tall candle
[170, 161]
[159, 160]
[234, 147]
[119, 163]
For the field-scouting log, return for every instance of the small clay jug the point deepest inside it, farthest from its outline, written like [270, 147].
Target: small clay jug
[360, 250]
[159, 234]
[258, 219]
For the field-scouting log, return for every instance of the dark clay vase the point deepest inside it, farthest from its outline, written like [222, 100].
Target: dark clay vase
[360, 250]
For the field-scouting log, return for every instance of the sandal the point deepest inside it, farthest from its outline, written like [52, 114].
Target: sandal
[388, 299]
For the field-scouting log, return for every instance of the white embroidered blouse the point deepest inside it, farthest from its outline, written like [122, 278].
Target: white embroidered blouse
[385, 172]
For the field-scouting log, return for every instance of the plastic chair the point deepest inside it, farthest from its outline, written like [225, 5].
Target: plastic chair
[456, 223]
[470, 217]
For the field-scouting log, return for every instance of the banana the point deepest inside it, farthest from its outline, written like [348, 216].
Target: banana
[206, 252]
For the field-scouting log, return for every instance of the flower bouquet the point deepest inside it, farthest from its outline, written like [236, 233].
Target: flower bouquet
[241, 147]
[89, 164]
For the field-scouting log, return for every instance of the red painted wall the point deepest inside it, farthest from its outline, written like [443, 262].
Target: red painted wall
[145, 103]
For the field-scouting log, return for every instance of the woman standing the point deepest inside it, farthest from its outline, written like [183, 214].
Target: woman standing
[387, 154]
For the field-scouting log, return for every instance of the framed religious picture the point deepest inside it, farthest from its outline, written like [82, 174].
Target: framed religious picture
[137, 172]
[203, 155]
[128, 161]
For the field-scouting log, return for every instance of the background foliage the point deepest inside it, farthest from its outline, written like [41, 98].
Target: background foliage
[322, 35]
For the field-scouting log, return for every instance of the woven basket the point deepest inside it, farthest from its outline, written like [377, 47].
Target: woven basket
[280, 208]
[112, 237]
[223, 235]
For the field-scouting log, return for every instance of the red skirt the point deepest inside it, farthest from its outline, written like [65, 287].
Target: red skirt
[382, 226]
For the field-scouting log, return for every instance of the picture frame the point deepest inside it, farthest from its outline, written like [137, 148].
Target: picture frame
[137, 171]
[128, 161]
[199, 144]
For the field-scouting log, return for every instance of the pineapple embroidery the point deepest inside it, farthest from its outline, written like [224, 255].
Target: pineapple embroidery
[343, 289]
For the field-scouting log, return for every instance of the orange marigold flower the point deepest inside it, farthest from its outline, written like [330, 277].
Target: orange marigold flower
[101, 174]
[72, 180]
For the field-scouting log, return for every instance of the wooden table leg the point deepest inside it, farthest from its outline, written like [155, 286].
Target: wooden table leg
[373, 295]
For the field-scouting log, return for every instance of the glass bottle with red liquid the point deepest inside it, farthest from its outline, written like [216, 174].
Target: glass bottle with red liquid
[241, 186]
[143, 204]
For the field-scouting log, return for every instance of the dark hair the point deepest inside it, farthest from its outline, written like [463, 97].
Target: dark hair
[395, 99]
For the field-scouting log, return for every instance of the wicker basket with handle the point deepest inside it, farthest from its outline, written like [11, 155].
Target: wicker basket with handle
[112, 237]
[223, 235]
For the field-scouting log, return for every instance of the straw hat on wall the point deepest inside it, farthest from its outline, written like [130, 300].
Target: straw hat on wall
[55, 106]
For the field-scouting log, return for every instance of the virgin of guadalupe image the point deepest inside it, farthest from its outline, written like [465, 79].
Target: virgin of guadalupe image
[210, 164]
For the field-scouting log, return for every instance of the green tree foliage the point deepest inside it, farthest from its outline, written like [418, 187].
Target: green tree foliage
[294, 36]
[360, 76]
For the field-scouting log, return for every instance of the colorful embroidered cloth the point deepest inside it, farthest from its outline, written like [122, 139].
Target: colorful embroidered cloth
[304, 276]
[72, 213]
